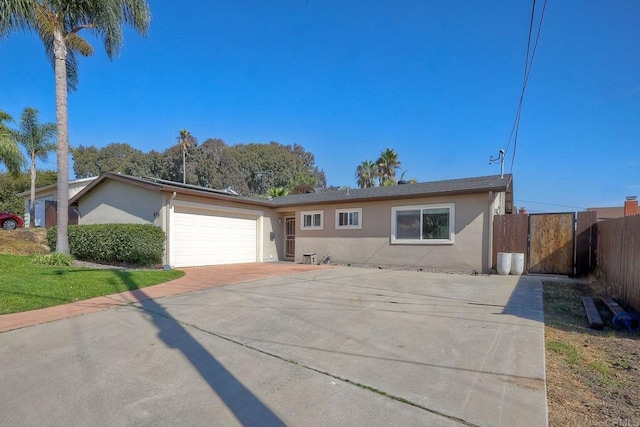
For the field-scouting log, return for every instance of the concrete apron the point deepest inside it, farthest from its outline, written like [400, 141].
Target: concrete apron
[335, 346]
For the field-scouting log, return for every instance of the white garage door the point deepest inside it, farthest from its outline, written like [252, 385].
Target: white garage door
[205, 237]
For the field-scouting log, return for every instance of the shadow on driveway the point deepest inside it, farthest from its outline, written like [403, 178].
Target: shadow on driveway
[246, 407]
[526, 299]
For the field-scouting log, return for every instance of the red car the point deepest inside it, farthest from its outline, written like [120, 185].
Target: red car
[10, 221]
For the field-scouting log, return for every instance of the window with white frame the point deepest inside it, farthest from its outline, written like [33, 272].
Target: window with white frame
[349, 218]
[423, 224]
[312, 220]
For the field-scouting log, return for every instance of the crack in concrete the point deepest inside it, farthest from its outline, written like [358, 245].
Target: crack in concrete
[317, 370]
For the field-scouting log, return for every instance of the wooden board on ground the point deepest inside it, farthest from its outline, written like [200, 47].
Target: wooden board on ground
[595, 321]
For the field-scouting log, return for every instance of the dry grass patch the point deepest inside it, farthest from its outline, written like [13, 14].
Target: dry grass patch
[24, 241]
[593, 377]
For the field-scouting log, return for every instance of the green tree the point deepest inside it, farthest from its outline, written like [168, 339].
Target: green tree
[215, 167]
[13, 184]
[186, 142]
[115, 158]
[59, 23]
[387, 164]
[275, 165]
[366, 174]
[37, 139]
[10, 153]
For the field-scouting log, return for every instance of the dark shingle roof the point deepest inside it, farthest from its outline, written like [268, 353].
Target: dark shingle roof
[402, 191]
[158, 184]
[422, 189]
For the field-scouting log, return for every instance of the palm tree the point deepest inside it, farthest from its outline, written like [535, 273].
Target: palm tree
[366, 174]
[10, 153]
[37, 139]
[277, 192]
[186, 141]
[58, 23]
[387, 165]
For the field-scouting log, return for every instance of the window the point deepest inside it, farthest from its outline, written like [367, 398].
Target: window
[423, 224]
[312, 220]
[349, 218]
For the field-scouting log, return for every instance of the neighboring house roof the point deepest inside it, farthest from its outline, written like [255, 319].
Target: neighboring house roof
[403, 191]
[49, 187]
[607, 212]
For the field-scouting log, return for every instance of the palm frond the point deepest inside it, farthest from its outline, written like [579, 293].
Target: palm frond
[36, 138]
[10, 153]
[79, 44]
[16, 15]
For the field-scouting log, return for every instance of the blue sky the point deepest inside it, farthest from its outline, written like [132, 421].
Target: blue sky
[439, 82]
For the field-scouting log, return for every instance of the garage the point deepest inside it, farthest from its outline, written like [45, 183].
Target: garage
[209, 236]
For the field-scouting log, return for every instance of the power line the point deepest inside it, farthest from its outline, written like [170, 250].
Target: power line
[530, 55]
[550, 204]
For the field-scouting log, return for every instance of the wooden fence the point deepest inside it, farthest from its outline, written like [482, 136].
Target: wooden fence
[562, 243]
[510, 234]
[618, 257]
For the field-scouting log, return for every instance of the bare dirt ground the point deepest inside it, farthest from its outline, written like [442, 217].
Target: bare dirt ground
[24, 241]
[593, 377]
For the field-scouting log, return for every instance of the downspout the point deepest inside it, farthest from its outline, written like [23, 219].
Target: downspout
[168, 221]
[490, 237]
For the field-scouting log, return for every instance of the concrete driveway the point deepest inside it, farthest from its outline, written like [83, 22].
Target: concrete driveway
[334, 346]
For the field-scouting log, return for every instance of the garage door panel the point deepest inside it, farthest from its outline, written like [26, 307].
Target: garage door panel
[208, 238]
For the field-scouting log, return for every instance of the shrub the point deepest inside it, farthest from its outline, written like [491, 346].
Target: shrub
[140, 244]
[54, 259]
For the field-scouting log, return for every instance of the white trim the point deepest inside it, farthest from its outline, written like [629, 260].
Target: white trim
[259, 229]
[312, 227]
[358, 226]
[452, 225]
[217, 208]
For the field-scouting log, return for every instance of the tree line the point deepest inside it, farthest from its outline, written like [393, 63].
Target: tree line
[250, 169]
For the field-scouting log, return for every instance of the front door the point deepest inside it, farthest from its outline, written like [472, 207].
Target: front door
[290, 238]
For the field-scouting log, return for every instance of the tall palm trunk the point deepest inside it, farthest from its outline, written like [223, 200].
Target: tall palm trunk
[184, 165]
[32, 207]
[60, 71]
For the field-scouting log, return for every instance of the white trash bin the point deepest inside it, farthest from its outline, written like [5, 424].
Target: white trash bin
[517, 264]
[504, 263]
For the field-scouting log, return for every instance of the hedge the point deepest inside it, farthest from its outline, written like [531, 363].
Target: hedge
[140, 244]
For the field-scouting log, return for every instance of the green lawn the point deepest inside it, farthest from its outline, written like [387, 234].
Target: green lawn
[25, 286]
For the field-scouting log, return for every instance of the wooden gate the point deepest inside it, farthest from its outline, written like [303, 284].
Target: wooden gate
[551, 243]
[51, 214]
[547, 240]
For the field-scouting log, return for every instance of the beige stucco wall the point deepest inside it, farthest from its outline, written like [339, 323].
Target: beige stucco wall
[113, 201]
[116, 202]
[372, 243]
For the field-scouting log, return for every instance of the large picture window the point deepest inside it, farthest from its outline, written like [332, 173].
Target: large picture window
[423, 224]
[312, 220]
[349, 218]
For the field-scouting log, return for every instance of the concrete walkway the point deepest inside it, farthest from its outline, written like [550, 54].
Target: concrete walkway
[195, 278]
[313, 347]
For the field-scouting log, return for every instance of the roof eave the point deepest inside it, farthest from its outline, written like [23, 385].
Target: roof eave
[394, 197]
[166, 189]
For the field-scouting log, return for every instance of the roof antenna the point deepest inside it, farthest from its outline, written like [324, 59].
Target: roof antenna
[500, 159]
